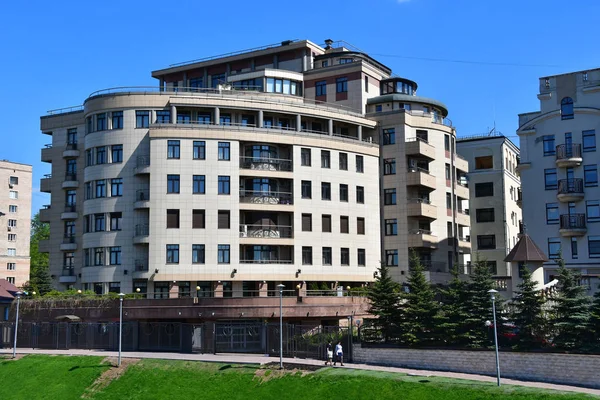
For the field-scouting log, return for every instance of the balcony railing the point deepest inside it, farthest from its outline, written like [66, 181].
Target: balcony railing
[565, 151]
[68, 239]
[265, 197]
[572, 221]
[141, 265]
[267, 261]
[70, 207]
[265, 163]
[142, 230]
[70, 176]
[419, 232]
[464, 212]
[68, 271]
[434, 266]
[266, 231]
[466, 238]
[419, 200]
[570, 186]
[71, 146]
[416, 139]
[418, 169]
[142, 195]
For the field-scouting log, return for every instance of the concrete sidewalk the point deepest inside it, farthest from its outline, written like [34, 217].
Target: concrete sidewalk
[257, 359]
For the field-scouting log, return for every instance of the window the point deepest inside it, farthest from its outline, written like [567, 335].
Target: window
[116, 153]
[72, 136]
[13, 208]
[172, 183]
[223, 220]
[485, 215]
[592, 208]
[306, 190]
[325, 159]
[391, 258]
[341, 85]
[446, 142]
[550, 179]
[367, 84]
[378, 108]
[116, 221]
[11, 252]
[223, 254]
[89, 157]
[116, 187]
[89, 125]
[11, 280]
[324, 63]
[389, 197]
[389, 136]
[224, 186]
[552, 215]
[224, 151]
[12, 223]
[574, 251]
[343, 192]
[12, 266]
[486, 242]
[449, 201]
[142, 119]
[326, 223]
[590, 175]
[343, 160]
[549, 147]
[13, 194]
[325, 191]
[199, 150]
[344, 256]
[225, 119]
[566, 108]
[485, 162]
[99, 256]
[117, 119]
[360, 195]
[361, 256]
[391, 227]
[173, 219]
[100, 188]
[344, 226]
[553, 248]
[389, 166]
[321, 88]
[71, 169]
[305, 157]
[163, 117]
[485, 189]
[326, 255]
[589, 140]
[173, 149]
[198, 254]
[99, 223]
[360, 164]
[306, 255]
[115, 255]
[360, 226]
[203, 119]
[172, 254]
[306, 222]
[12, 237]
[594, 246]
[100, 122]
[101, 155]
[199, 184]
[199, 219]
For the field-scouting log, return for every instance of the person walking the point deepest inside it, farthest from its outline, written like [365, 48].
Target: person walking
[339, 352]
[329, 354]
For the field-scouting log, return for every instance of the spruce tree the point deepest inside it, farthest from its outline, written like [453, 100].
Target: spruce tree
[478, 305]
[595, 322]
[571, 311]
[453, 312]
[528, 314]
[384, 298]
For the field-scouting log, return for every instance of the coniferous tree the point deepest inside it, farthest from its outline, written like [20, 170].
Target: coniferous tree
[528, 313]
[595, 321]
[384, 297]
[571, 311]
[453, 312]
[39, 276]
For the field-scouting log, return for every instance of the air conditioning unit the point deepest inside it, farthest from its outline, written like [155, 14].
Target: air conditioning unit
[10, 228]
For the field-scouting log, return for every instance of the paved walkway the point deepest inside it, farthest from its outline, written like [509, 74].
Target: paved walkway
[257, 359]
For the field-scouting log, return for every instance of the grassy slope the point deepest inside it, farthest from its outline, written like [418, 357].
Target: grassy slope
[47, 377]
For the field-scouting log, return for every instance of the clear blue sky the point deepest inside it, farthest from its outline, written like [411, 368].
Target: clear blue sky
[55, 53]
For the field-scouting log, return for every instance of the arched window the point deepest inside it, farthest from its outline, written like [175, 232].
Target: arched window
[566, 108]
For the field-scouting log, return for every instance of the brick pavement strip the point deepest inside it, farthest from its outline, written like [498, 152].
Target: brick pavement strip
[258, 359]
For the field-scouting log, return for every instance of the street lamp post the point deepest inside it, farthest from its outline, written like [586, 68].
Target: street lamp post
[280, 286]
[492, 293]
[121, 295]
[17, 324]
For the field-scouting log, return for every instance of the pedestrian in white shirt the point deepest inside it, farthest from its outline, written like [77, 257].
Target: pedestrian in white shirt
[339, 352]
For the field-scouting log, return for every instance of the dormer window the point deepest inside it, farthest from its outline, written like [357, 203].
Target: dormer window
[324, 63]
[547, 83]
[585, 76]
[346, 60]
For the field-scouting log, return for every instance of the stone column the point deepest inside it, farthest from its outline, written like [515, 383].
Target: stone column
[218, 289]
[330, 130]
[152, 116]
[261, 119]
[298, 123]
[109, 120]
[263, 289]
[173, 114]
[359, 131]
[217, 116]
[174, 291]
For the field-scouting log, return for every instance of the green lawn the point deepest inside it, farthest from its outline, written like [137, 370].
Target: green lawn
[45, 377]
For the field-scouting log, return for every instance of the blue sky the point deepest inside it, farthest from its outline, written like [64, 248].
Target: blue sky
[55, 53]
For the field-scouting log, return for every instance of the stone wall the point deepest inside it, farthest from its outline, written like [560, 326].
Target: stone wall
[569, 369]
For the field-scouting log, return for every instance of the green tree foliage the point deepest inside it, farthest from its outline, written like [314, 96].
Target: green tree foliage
[453, 312]
[571, 311]
[39, 279]
[595, 321]
[478, 305]
[528, 314]
[384, 298]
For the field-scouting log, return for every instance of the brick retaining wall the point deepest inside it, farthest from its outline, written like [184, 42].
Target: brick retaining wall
[568, 369]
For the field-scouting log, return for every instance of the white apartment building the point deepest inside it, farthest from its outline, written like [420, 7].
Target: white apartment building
[559, 172]
[15, 221]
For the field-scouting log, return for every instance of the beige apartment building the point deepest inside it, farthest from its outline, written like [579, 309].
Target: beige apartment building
[15, 220]
[559, 172]
[241, 172]
[495, 200]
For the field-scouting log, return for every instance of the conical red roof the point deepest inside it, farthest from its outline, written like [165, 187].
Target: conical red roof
[526, 250]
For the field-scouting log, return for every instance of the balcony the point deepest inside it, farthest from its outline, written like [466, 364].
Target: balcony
[572, 225]
[568, 155]
[142, 165]
[70, 211]
[419, 147]
[67, 275]
[461, 190]
[71, 151]
[463, 218]
[257, 233]
[502, 283]
[262, 198]
[464, 244]
[519, 197]
[142, 199]
[140, 267]
[70, 181]
[420, 177]
[45, 183]
[422, 238]
[47, 153]
[420, 207]
[45, 213]
[570, 190]
[68, 243]
[266, 164]
[142, 234]
[460, 163]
